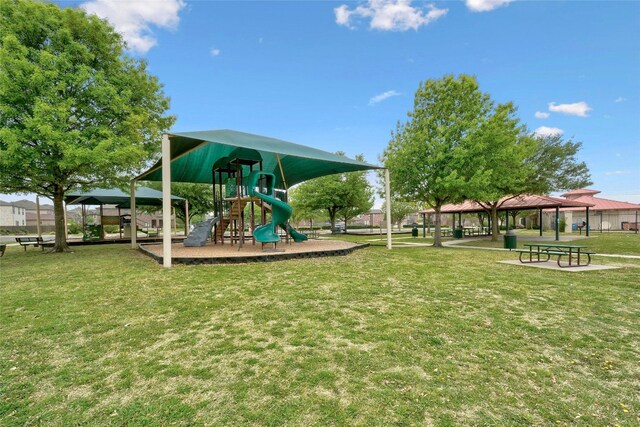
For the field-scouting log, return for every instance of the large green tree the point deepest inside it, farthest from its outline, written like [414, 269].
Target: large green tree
[400, 209]
[75, 111]
[343, 195]
[359, 194]
[499, 153]
[426, 157]
[514, 163]
[555, 165]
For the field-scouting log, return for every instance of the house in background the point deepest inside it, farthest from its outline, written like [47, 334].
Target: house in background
[605, 214]
[12, 215]
[371, 218]
[47, 217]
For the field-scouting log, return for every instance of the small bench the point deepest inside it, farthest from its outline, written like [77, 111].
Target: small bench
[33, 241]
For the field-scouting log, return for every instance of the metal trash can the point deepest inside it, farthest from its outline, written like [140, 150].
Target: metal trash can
[510, 240]
[414, 231]
[457, 233]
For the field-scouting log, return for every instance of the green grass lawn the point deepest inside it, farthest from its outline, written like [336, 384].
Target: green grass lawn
[604, 243]
[413, 336]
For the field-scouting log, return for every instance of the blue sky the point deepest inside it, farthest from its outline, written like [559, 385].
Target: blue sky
[339, 75]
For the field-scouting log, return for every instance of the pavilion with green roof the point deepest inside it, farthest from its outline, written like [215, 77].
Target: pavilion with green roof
[192, 156]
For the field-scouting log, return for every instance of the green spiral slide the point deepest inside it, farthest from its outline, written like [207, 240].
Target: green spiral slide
[280, 211]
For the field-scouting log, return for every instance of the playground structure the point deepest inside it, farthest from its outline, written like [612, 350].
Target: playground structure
[226, 159]
[234, 191]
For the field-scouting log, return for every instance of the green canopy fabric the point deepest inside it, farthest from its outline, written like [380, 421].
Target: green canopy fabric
[195, 154]
[113, 196]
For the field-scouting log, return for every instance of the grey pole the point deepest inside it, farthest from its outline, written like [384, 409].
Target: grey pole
[587, 221]
[557, 223]
[540, 220]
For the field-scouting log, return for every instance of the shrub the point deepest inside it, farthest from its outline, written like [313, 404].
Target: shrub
[74, 228]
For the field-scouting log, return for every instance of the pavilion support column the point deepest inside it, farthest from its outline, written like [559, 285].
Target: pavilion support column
[134, 218]
[387, 194]
[38, 216]
[453, 224]
[507, 221]
[186, 217]
[557, 223]
[459, 219]
[66, 225]
[424, 225]
[540, 221]
[166, 201]
[587, 221]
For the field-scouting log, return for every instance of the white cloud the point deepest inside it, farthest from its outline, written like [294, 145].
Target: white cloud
[214, 51]
[548, 131]
[617, 173]
[619, 99]
[381, 97]
[389, 15]
[485, 5]
[576, 109]
[541, 115]
[134, 19]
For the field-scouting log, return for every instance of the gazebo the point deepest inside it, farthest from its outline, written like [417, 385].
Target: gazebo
[524, 202]
[114, 196]
[215, 155]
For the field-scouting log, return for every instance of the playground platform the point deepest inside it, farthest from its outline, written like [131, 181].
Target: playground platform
[228, 254]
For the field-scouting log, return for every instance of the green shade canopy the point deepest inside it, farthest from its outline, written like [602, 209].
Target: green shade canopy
[113, 196]
[195, 154]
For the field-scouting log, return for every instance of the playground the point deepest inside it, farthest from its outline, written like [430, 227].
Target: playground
[250, 177]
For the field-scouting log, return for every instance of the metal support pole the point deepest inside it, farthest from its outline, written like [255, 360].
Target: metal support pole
[557, 223]
[424, 225]
[66, 226]
[387, 192]
[166, 201]
[540, 220]
[186, 217]
[587, 221]
[507, 220]
[38, 216]
[134, 219]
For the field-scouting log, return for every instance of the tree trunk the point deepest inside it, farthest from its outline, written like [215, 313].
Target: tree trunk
[58, 211]
[495, 228]
[332, 219]
[437, 239]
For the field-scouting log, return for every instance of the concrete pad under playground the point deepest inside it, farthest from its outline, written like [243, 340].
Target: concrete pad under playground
[553, 265]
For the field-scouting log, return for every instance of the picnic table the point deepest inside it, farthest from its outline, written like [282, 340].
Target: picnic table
[542, 252]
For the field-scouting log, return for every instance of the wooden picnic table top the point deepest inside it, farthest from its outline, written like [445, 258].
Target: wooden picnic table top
[554, 245]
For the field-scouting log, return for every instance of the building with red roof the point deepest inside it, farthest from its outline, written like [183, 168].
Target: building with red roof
[605, 214]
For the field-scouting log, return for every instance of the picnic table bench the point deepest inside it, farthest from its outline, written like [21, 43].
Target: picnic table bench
[542, 252]
[33, 241]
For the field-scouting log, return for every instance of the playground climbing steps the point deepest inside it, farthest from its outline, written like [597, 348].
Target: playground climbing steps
[235, 214]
